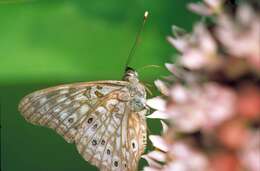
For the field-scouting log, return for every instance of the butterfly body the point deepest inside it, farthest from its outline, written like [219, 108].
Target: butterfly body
[105, 119]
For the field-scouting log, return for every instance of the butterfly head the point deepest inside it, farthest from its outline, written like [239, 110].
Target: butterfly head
[131, 75]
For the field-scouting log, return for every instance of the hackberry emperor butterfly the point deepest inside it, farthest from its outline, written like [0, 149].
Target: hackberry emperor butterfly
[105, 119]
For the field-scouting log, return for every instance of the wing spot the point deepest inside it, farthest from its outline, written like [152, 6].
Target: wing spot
[95, 126]
[99, 87]
[133, 145]
[108, 151]
[70, 120]
[98, 94]
[103, 142]
[90, 120]
[116, 163]
[94, 142]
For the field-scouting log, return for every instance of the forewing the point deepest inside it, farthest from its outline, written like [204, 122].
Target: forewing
[112, 137]
[64, 107]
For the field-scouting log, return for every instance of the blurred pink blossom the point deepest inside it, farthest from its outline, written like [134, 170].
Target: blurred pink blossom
[248, 101]
[207, 8]
[179, 157]
[224, 161]
[198, 50]
[196, 107]
[211, 102]
[250, 154]
[241, 37]
[233, 134]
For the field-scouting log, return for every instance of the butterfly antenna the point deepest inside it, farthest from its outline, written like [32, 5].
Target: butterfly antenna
[147, 88]
[132, 51]
[149, 66]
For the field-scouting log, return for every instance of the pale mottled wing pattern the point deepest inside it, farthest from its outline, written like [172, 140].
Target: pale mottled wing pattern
[64, 107]
[94, 115]
[113, 138]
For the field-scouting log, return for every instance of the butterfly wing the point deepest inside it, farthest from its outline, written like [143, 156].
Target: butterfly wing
[115, 138]
[64, 107]
[94, 115]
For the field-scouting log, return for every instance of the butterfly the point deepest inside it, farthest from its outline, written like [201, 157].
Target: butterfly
[104, 119]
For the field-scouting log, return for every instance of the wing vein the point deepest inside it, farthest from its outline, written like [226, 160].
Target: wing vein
[55, 105]
[94, 108]
[76, 109]
[35, 100]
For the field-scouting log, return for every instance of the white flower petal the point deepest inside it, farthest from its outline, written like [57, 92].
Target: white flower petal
[157, 155]
[173, 69]
[158, 142]
[214, 4]
[164, 126]
[193, 59]
[151, 161]
[245, 14]
[179, 44]
[158, 115]
[179, 93]
[207, 43]
[178, 32]
[161, 87]
[199, 8]
[150, 169]
[157, 103]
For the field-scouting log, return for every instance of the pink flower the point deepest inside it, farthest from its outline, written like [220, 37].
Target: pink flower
[248, 101]
[240, 37]
[200, 107]
[250, 155]
[196, 107]
[179, 74]
[207, 8]
[211, 102]
[233, 134]
[187, 158]
[179, 157]
[159, 142]
[224, 161]
[198, 50]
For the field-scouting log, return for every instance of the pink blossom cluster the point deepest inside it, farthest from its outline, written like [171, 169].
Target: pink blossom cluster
[210, 106]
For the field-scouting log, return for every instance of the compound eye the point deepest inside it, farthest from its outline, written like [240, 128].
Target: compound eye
[137, 104]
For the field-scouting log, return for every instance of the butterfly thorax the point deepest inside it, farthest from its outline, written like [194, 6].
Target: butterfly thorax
[136, 90]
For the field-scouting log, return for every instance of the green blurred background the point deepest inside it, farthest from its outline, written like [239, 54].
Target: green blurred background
[49, 42]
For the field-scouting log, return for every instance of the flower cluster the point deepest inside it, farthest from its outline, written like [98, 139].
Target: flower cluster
[210, 105]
